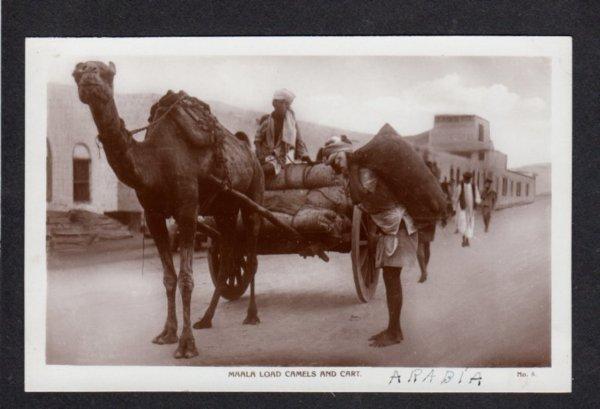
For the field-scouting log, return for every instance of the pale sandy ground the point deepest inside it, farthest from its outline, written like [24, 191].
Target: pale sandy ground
[487, 305]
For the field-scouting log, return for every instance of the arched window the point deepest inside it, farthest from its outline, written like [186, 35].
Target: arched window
[48, 172]
[81, 173]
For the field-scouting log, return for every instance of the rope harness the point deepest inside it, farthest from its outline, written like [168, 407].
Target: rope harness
[186, 103]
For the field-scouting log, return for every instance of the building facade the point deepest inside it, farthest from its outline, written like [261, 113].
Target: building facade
[462, 143]
[79, 177]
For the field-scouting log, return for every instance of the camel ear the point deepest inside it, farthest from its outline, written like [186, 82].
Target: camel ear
[111, 66]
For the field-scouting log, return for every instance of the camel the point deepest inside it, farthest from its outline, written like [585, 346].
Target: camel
[174, 175]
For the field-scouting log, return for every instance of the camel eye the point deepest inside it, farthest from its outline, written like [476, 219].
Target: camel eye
[107, 75]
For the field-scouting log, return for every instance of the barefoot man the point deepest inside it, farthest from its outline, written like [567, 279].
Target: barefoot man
[468, 200]
[426, 233]
[488, 201]
[396, 244]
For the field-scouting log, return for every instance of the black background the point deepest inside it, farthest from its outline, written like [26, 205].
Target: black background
[21, 19]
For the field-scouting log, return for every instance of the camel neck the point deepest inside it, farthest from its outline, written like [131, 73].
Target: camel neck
[109, 124]
[119, 145]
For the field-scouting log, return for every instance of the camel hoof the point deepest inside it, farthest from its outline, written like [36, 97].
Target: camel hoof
[253, 320]
[186, 349]
[203, 324]
[166, 337]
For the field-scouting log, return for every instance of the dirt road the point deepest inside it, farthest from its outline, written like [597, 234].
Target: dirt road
[487, 305]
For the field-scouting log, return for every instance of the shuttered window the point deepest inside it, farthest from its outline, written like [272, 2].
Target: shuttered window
[81, 173]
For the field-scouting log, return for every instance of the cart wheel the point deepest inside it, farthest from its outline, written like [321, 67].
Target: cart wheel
[238, 283]
[366, 276]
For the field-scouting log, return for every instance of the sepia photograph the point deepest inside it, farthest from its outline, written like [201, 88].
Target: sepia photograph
[382, 214]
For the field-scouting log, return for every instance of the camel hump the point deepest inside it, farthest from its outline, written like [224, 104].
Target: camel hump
[190, 114]
[242, 136]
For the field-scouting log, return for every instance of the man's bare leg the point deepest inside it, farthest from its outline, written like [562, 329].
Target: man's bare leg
[393, 291]
[423, 259]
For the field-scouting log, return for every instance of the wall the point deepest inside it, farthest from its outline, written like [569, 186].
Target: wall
[511, 198]
[127, 200]
[460, 133]
[70, 123]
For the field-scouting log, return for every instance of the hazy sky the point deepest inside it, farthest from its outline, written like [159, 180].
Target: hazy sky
[362, 93]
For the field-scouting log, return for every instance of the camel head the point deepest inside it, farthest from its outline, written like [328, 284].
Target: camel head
[94, 81]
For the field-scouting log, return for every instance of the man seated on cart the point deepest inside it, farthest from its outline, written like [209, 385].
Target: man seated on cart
[278, 134]
[396, 244]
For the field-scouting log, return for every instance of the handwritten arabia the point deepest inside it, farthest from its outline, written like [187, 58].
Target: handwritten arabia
[437, 376]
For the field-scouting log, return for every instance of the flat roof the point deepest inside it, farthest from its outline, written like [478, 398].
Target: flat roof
[462, 115]
[520, 174]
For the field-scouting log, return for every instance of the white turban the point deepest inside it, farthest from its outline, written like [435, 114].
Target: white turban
[285, 95]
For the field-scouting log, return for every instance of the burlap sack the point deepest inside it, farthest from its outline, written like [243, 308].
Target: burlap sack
[309, 220]
[287, 201]
[304, 176]
[332, 198]
[404, 171]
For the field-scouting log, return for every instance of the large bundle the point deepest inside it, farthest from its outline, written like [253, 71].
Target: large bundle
[404, 171]
[304, 176]
[309, 197]
[331, 197]
[287, 201]
[309, 220]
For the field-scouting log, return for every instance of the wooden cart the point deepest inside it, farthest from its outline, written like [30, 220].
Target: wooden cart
[359, 241]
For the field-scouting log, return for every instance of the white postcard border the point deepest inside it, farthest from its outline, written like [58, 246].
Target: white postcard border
[42, 377]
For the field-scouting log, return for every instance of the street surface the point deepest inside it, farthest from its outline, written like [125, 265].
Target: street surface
[486, 305]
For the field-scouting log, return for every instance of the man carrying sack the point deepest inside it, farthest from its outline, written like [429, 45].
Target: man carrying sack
[278, 134]
[396, 245]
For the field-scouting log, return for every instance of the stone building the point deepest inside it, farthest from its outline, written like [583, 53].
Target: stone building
[78, 174]
[461, 143]
[79, 177]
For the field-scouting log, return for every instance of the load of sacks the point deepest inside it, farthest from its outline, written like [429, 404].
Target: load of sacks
[312, 198]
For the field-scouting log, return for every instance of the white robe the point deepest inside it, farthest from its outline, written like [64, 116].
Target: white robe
[466, 216]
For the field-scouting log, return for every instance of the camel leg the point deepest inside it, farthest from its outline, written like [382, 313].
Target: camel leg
[186, 222]
[252, 226]
[158, 229]
[226, 226]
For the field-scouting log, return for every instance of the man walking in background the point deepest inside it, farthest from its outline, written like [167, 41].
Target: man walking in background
[426, 233]
[488, 201]
[468, 200]
[455, 195]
